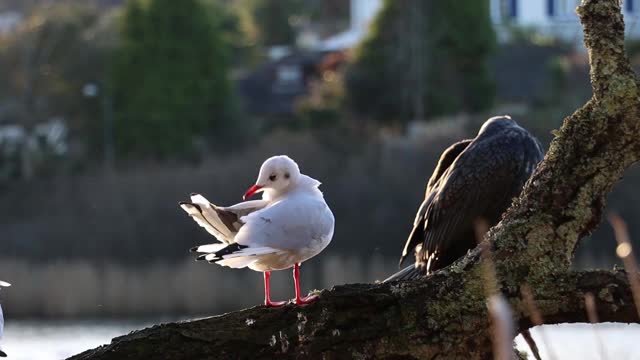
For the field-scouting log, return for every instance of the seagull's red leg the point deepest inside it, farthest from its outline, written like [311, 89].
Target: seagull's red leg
[267, 292]
[296, 278]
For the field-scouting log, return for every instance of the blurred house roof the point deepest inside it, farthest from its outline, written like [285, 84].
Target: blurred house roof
[521, 72]
[273, 87]
[362, 13]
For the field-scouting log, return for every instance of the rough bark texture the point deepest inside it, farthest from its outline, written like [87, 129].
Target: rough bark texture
[444, 316]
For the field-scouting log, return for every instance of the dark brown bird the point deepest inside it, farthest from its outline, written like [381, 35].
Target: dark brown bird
[474, 179]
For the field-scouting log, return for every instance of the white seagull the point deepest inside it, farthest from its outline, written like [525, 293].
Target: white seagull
[2, 284]
[291, 224]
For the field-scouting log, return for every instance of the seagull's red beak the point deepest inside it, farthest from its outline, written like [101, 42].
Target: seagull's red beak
[252, 190]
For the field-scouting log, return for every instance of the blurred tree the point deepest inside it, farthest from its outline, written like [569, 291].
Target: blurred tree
[423, 58]
[170, 77]
[52, 54]
[55, 51]
[322, 107]
[275, 20]
[237, 30]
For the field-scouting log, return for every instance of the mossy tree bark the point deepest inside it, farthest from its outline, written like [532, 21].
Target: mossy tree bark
[445, 315]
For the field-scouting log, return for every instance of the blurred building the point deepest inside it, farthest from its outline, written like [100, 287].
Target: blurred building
[9, 21]
[272, 88]
[22, 149]
[361, 14]
[552, 18]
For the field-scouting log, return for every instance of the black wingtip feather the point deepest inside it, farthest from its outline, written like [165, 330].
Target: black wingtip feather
[201, 257]
[191, 204]
[402, 258]
[3, 354]
[409, 273]
[193, 194]
[194, 249]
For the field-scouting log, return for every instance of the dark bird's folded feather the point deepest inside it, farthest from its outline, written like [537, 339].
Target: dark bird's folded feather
[474, 180]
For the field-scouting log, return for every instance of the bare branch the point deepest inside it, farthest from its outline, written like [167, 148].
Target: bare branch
[625, 252]
[401, 320]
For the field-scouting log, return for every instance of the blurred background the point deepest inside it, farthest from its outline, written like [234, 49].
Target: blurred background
[112, 111]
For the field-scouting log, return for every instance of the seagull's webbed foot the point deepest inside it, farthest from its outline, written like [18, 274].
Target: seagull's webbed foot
[267, 293]
[301, 300]
[269, 303]
[306, 300]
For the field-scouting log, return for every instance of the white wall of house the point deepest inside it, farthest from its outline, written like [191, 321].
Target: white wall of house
[362, 12]
[556, 18]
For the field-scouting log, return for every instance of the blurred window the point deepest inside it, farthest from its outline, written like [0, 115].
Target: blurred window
[288, 79]
[562, 8]
[550, 8]
[504, 10]
[513, 8]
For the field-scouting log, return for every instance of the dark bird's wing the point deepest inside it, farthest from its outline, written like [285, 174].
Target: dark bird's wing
[446, 159]
[479, 184]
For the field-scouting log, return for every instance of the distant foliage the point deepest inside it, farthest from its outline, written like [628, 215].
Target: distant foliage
[274, 20]
[323, 106]
[170, 78]
[424, 58]
[46, 62]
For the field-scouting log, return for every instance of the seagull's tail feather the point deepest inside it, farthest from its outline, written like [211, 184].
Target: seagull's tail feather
[409, 273]
[238, 262]
[221, 223]
[238, 256]
[208, 248]
[195, 211]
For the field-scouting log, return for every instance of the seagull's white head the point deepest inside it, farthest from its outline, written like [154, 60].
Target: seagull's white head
[277, 174]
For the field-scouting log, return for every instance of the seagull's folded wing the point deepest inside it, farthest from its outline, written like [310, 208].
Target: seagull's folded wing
[221, 222]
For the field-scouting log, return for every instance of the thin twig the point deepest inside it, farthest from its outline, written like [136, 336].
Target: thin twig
[499, 309]
[625, 252]
[592, 315]
[537, 320]
[526, 335]
[502, 328]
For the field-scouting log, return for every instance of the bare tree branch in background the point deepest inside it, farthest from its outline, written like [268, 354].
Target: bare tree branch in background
[445, 315]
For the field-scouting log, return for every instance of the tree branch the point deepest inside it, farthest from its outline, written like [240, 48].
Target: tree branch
[367, 321]
[565, 197]
[445, 314]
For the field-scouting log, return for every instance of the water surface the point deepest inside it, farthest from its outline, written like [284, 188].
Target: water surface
[49, 340]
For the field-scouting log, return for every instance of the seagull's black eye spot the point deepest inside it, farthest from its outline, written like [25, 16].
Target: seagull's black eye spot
[272, 178]
[286, 175]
